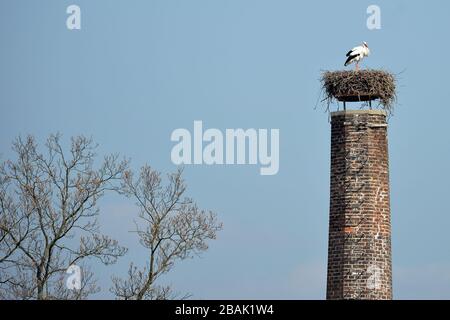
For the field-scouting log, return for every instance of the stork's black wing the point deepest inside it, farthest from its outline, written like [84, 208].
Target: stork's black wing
[349, 59]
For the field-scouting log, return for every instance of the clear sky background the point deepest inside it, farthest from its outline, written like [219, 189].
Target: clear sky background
[137, 70]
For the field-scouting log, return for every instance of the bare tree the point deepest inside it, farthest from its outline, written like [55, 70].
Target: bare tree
[171, 227]
[48, 217]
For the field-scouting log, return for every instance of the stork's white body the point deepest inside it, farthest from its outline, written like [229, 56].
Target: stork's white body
[357, 54]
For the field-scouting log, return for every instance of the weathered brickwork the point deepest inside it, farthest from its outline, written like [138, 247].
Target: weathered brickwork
[359, 245]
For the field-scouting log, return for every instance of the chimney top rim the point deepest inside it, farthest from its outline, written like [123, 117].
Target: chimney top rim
[351, 112]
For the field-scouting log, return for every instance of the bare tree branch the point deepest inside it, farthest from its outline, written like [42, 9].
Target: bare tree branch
[172, 228]
[48, 204]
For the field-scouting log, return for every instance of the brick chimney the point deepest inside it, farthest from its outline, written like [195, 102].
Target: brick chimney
[359, 244]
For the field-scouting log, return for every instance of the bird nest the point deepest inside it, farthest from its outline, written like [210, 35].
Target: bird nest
[363, 85]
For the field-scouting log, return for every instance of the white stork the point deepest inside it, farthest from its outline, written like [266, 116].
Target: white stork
[357, 54]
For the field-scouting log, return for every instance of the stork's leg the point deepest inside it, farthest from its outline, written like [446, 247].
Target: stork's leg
[357, 66]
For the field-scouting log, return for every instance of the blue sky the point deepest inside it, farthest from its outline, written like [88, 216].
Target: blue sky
[137, 70]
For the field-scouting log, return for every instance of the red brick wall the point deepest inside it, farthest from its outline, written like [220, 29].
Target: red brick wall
[359, 245]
